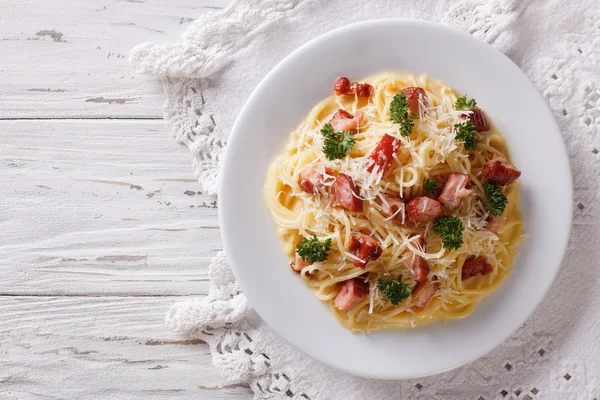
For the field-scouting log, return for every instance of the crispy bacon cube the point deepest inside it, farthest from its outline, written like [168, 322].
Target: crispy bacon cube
[312, 180]
[365, 248]
[393, 207]
[412, 95]
[478, 119]
[475, 265]
[352, 292]
[343, 87]
[500, 171]
[423, 293]
[455, 190]
[414, 262]
[383, 155]
[345, 193]
[343, 121]
[423, 209]
[299, 263]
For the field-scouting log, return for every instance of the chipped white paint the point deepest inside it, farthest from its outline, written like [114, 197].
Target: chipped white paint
[101, 348]
[68, 59]
[102, 224]
[113, 210]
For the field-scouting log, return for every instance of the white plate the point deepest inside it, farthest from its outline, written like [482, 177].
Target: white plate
[280, 103]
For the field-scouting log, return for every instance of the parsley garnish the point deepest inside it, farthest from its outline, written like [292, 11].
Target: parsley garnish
[336, 144]
[467, 133]
[312, 250]
[464, 104]
[450, 229]
[496, 200]
[399, 114]
[394, 290]
[431, 186]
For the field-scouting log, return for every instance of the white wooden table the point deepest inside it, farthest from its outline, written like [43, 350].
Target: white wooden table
[102, 225]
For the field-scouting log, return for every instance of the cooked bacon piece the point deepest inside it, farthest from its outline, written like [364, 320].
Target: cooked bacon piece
[500, 171]
[412, 95]
[422, 209]
[311, 180]
[364, 247]
[391, 206]
[343, 121]
[475, 265]
[383, 155]
[345, 193]
[478, 119]
[341, 114]
[417, 264]
[495, 223]
[352, 293]
[423, 293]
[299, 263]
[454, 190]
[343, 87]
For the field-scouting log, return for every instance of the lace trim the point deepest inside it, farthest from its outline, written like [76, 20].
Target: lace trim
[207, 46]
[206, 49]
[191, 122]
[225, 320]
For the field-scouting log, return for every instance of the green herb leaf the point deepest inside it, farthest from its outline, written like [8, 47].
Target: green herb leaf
[467, 133]
[399, 114]
[394, 290]
[464, 104]
[431, 186]
[336, 144]
[496, 200]
[311, 249]
[450, 229]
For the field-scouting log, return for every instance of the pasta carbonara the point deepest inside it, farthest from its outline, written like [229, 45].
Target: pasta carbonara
[396, 202]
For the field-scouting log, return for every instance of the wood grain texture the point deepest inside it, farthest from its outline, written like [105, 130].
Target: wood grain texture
[68, 59]
[102, 348]
[101, 208]
[102, 223]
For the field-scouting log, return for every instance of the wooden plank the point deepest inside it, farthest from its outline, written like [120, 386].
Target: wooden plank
[102, 348]
[70, 59]
[101, 207]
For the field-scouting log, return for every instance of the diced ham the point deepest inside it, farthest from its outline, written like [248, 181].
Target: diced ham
[345, 193]
[500, 171]
[393, 206]
[412, 95]
[478, 119]
[423, 293]
[455, 190]
[341, 114]
[365, 248]
[414, 262]
[312, 180]
[343, 87]
[343, 121]
[361, 89]
[494, 223]
[299, 263]
[352, 292]
[475, 265]
[422, 209]
[383, 155]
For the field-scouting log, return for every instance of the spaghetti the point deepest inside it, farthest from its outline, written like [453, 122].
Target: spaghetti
[431, 152]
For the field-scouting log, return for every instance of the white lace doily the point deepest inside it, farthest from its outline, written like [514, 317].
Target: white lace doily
[207, 77]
